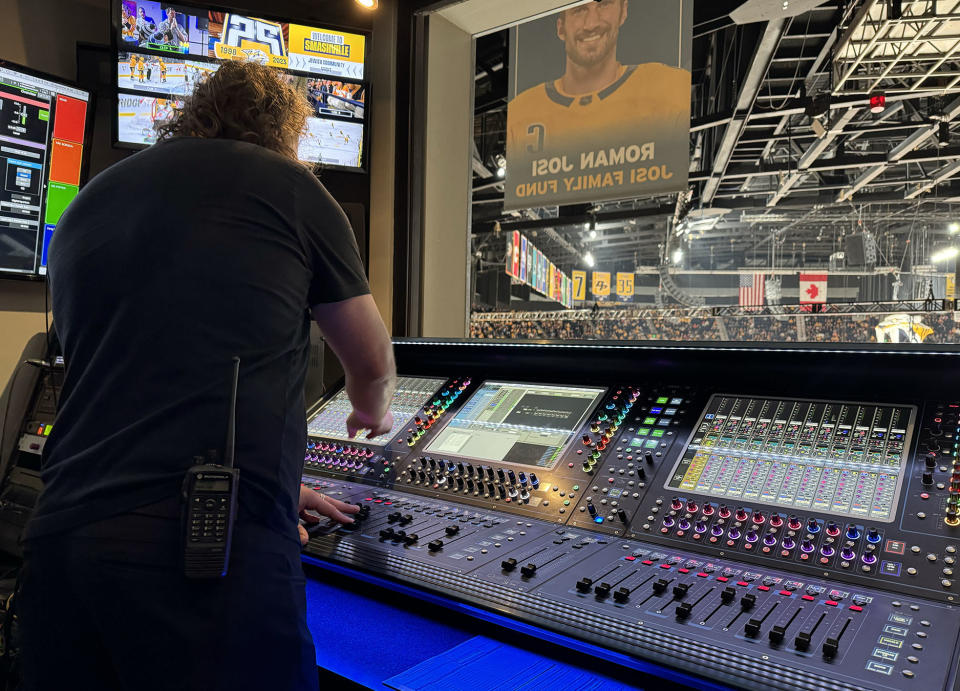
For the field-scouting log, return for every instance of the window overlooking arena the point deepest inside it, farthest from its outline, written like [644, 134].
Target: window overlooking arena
[808, 196]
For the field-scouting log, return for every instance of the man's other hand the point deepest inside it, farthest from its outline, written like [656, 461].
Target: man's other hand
[313, 501]
[357, 421]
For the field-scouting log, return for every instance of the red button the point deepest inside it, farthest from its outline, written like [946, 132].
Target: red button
[743, 583]
[631, 558]
[808, 598]
[664, 566]
[856, 608]
[684, 570]
[830, 603]
[701, 575]
[786, 592]
[763, 588]
[647, 562]
[722, 579]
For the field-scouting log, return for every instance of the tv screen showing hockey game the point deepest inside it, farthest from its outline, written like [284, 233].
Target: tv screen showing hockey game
[165, 50]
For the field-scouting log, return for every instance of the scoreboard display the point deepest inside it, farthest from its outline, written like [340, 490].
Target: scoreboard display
[164, 50]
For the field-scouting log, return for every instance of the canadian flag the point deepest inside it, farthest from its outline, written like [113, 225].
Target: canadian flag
[813, 288]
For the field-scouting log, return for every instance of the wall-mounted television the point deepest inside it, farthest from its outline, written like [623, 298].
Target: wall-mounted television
[164, 50]
[45, 125]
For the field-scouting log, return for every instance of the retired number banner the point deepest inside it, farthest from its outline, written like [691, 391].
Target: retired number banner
[599, 103]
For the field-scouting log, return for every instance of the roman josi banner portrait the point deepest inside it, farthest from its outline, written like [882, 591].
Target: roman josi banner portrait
[599, 103]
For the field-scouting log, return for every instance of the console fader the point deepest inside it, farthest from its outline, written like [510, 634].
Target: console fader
[767, 540]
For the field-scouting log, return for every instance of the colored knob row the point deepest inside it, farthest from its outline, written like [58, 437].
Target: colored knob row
[334, 448]
[435, 409]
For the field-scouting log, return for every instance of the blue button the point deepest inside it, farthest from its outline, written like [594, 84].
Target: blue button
[656, 411]
[598, 519]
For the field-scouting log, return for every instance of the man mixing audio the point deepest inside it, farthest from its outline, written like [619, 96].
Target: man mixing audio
[150, 316]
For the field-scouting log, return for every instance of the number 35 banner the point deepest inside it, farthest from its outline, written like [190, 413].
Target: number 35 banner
[599, 103]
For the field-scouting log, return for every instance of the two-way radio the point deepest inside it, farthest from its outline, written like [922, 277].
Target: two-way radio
[209, 509]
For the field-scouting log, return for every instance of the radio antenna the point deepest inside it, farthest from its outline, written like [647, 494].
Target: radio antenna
[228, 447]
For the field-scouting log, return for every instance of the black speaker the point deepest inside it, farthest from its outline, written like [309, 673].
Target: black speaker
[854, 250]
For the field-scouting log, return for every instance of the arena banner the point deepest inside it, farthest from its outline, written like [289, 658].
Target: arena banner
[601, 284]
[625, 284]
[599, 103]
[513, 254]
[524, 262]
[579, 285]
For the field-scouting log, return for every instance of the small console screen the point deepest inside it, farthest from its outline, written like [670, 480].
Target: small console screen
[845, 459]
[526, 424]
[412, 394]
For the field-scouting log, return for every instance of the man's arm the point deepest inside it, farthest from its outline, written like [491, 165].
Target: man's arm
[357, 336]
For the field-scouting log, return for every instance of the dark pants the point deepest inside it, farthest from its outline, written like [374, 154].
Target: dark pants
[105, 607]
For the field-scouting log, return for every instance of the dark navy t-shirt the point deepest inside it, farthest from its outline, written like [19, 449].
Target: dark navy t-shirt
[161, 270]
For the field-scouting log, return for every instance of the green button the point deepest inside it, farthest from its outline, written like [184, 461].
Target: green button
[643, 431]
[566, 502]
[649, 420]
[576, 488]
[658, 432]
[602, 417]
[651, 444]
[663, 399]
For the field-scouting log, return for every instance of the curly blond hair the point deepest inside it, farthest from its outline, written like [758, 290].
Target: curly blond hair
[243, 101]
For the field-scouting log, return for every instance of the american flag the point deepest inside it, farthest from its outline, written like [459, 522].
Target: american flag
[751, 289]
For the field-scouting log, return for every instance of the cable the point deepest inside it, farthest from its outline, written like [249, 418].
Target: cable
[796, 71]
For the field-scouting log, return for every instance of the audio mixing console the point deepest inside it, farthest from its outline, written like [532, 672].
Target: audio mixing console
[708, 509]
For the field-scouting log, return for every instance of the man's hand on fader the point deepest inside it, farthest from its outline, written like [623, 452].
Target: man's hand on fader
[357, 421]
[313, 503]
